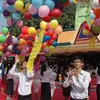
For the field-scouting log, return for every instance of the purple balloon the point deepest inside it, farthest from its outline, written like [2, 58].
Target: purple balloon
[46, 51]
[6, 13]
[10, 2]
[59, 6]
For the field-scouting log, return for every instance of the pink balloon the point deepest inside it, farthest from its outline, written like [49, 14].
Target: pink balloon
[9, 22]
[32, 10]
[5, 5]
[97, 22]
[7, 53]
[19, 23]
[23, 51]
[58, 30]
[48, 26]
[43, 11]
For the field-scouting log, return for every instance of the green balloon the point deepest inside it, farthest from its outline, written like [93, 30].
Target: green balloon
[4, 30]
[1, 53]
[2, 39]
[95, 29]
[63, 1]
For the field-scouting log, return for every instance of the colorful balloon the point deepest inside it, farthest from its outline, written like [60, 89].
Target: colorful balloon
[6, 13]
[37, 3]
[9, 22]
[10, 8]
[47, 18]
[32, 10]
[43, 11]
[27, 15]
[2, 39]
[59, 6]
[24, 30]
[31, 31]
[43, 24]
[58, 30]
[19, 23]
[53, 23]
[10, 2]
[16, 16]
[4, 30]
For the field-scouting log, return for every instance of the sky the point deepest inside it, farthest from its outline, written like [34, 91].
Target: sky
[2, 19]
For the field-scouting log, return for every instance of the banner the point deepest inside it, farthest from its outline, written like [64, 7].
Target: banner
[83, 13]
[35, 50]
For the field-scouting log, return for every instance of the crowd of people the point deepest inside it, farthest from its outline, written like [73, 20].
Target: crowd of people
[74, 81]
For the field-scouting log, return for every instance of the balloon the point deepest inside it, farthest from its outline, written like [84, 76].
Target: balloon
[95, 29]
[18, 52]
[67, 3]
[86, 27]
[24, 30]
[10, 8]
[55, 43]
[63, 1]
[21, 41]
[1, 48]
[16, 16]
[55, 13]
[46, 38]
[50, 32]
[29, 42]
[59, 6]
[19, 48]
[31, 31]
[15, 40]
[19, 23]
[50, 42]
[46, 51]
[43, 11]
[97, 22]
[97, 13]
[92, 16]
[95, 4]
[23, 51]
[19, 4]
[9, 22]
[53, 23]
[1, 53]
[10, 2]
[36, 16]
[54, 37]
[43, 24]
[46, 33]
[5, 5]
[27, 6]
[37, 3]
[26, 37]
[1, 10]
[27, 15]
[2, 39]
[48, 26]
[21, 36]
[47, 18]
[4, 30]
[32, 10]
[6, 13]
[10, 47]
[58, 30]
[50, 4]
[85, 32]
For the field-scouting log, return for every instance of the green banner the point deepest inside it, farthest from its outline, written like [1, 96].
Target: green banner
[83, 13]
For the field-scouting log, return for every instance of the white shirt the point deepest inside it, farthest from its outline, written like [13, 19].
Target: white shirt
[79, 85]
[25, 81]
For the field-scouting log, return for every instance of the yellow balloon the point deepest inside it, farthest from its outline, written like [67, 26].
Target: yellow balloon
[21, 41]
[19, 4]
[31, 31]
[53, 23]
[85, 32]
[27, 6]
[75, 1]
[43, 24]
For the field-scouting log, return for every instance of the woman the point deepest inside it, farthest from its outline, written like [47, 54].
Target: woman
[45, 75]
[98, 82]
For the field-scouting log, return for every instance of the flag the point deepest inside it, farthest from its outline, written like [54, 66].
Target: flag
[36, 49]
[83, 13]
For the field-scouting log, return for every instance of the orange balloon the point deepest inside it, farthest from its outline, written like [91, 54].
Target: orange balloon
[24, 42]
[20, 47]
[97, 13]
[1, 48]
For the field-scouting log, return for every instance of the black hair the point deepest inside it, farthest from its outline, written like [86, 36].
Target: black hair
[43, 67]
[98, 71]
[77, 57]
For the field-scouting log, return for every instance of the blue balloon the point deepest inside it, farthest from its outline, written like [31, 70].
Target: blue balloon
[46, 38]
[56, 1]
[18, 52]
[37, 3]
[92, 16]
[10, 8]
[16, 16]
[55, 43]
[50, 4]
[1, 10]
[36, 16]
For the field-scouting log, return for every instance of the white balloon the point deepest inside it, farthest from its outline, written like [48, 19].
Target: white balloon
[95, 4]
[15, 40]
[10, 47]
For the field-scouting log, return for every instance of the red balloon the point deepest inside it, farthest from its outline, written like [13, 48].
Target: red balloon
[87, 27]
[25, 37]
[66, 4]
[47, 18]
[29, 42]
[50, 42]
[42, 47]
[21, 36]
[33, 37]
[97, 13]
[24, 30]
[50, 32]
[27, 15]
[5, 45]
[46, 33]
[54, 37]
[56, 13]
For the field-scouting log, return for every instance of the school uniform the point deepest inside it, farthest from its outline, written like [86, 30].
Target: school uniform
[45, 85]
[79, 86]
[25, 84]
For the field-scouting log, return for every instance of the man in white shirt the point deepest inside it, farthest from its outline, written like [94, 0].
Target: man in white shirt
[78, 80]
[25, 80]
